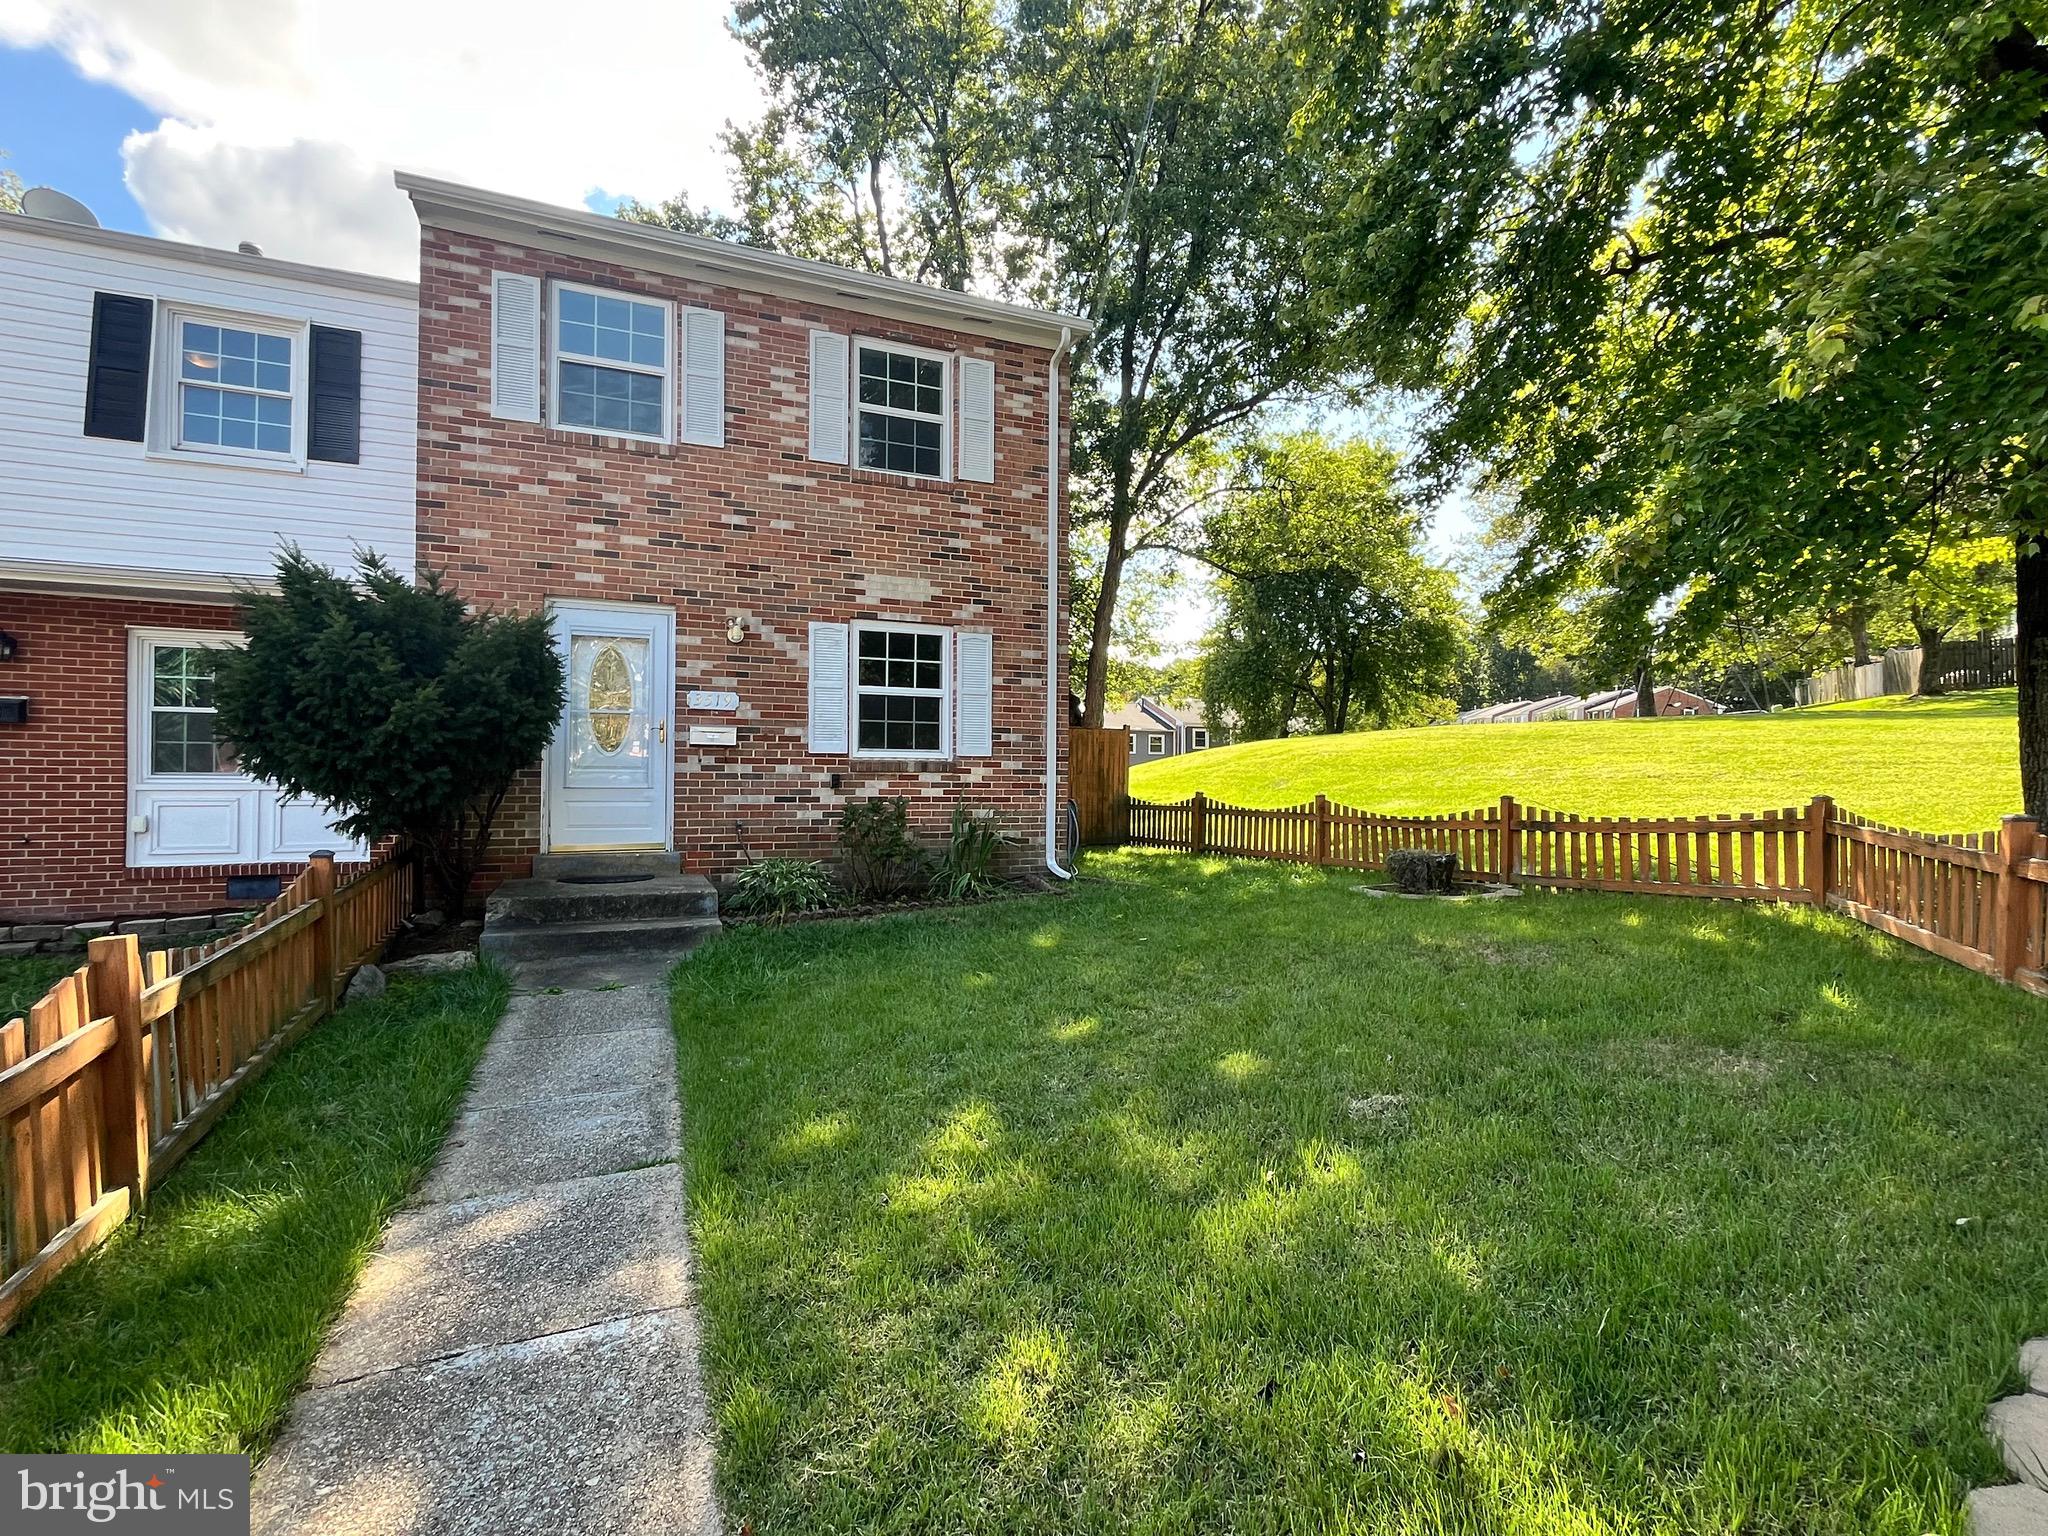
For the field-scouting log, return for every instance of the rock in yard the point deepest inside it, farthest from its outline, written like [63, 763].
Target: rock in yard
[367, 982]
[428, 920]
[2034, 1364]
[439, 964]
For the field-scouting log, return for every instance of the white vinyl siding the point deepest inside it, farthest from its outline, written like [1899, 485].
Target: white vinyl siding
[704, 377]
[92, 509]
[829, 422]
[977, 419]
[188, 803]
[515, 346]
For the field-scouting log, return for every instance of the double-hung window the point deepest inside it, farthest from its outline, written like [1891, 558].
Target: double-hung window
[901, 691]
[184, 737]
[613, 362]
[1197, 738]
[902, 404]
[236, 385]
[1155, 744]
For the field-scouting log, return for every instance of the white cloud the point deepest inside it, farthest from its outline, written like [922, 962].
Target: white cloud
[283, 119]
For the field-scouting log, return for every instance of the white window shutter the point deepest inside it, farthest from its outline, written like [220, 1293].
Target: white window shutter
[977, 419]
[974, 696]
[515, 346]
[828, 688]
[704, 377]
[830, 424]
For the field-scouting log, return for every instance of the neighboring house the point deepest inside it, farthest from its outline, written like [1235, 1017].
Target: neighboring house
[172, 415]
[801, 529]
[1159, 730]
[1620, 704]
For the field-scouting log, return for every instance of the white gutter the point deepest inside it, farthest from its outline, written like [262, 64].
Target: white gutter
[1055, 687]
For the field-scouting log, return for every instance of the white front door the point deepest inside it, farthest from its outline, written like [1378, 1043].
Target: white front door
[610, 774]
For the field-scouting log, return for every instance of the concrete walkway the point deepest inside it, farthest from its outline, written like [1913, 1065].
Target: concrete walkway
[521, 1354]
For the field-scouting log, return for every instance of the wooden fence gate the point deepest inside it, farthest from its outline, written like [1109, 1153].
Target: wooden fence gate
[1099, 770]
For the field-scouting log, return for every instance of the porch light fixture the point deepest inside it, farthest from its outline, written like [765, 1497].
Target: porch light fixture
[6, 646]
[735, 631]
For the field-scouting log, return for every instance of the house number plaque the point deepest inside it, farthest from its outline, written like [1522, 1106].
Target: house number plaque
[700, 698]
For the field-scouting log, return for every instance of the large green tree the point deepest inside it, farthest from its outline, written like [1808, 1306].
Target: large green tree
[1730, 297]
[1131, 161]
[1329, 611]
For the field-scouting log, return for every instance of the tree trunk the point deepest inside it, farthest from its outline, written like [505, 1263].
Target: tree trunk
[881, 218]
[1646, 692]
[1929, 638]
[1096, 693]
[1859, 637]
[2030, 663]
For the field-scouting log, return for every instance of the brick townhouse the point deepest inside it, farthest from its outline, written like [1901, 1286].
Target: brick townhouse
[800, 528]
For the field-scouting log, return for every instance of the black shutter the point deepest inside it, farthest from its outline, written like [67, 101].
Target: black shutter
[334, 428]
[117, 371]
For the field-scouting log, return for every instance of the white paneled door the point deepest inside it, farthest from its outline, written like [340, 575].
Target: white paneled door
[610, 773]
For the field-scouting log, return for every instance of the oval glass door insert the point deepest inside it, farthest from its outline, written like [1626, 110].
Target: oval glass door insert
[610, 703]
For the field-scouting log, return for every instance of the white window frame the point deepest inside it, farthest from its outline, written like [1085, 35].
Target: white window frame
[854, 690]
[166, 405]
[1155, 743]
[944, 418]
[143, 644]
[670, 346]
[1133, 735]
[1198, 738]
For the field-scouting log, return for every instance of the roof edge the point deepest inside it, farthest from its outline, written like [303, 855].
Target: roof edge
[842, 287]
[209, 255]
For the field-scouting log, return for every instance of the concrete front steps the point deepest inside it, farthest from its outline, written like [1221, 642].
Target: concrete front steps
[636, 911]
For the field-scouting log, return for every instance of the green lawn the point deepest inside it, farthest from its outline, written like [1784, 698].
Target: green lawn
[190, 1331]
[1216, 1196]
[25, 978]
[1939, 765]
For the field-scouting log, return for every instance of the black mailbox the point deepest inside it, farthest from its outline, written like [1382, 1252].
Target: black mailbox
[13, 710]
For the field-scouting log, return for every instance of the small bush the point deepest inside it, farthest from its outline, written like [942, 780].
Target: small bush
[968, 867]
[778, 887]
[881, 861]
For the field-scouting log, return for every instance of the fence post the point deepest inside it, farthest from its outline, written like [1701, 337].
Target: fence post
[1322, 829]
[1819, 856]
[1510, 839]
[2017, 836]
[1198, 823]
[114, 983]
[325, 960]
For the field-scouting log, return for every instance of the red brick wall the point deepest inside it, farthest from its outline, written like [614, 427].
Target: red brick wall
[516, 514]
[64, 775]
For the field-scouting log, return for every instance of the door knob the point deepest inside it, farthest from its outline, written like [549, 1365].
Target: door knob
[663, 729]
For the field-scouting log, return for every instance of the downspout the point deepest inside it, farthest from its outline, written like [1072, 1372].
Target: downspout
[1055, 689]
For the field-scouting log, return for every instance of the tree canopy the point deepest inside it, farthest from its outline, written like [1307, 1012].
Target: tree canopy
[1328, 611]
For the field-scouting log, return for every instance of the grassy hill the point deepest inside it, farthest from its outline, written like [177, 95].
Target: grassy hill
[1939, 765]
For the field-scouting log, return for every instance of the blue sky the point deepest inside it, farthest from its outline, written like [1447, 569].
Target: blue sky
[64, 131]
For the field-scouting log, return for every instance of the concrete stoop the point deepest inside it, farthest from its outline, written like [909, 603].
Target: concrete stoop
[634, 905]
[2018, 1425]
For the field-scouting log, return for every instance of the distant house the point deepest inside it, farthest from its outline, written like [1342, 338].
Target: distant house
[1159, 731]
[1558, 706]
[1620, 704]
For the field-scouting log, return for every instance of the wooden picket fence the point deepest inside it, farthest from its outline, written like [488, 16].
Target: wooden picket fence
[126, 1063]
[1979, 899]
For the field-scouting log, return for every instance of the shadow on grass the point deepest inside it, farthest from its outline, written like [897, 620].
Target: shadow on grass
[189, 1330]
[1572, 1213]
